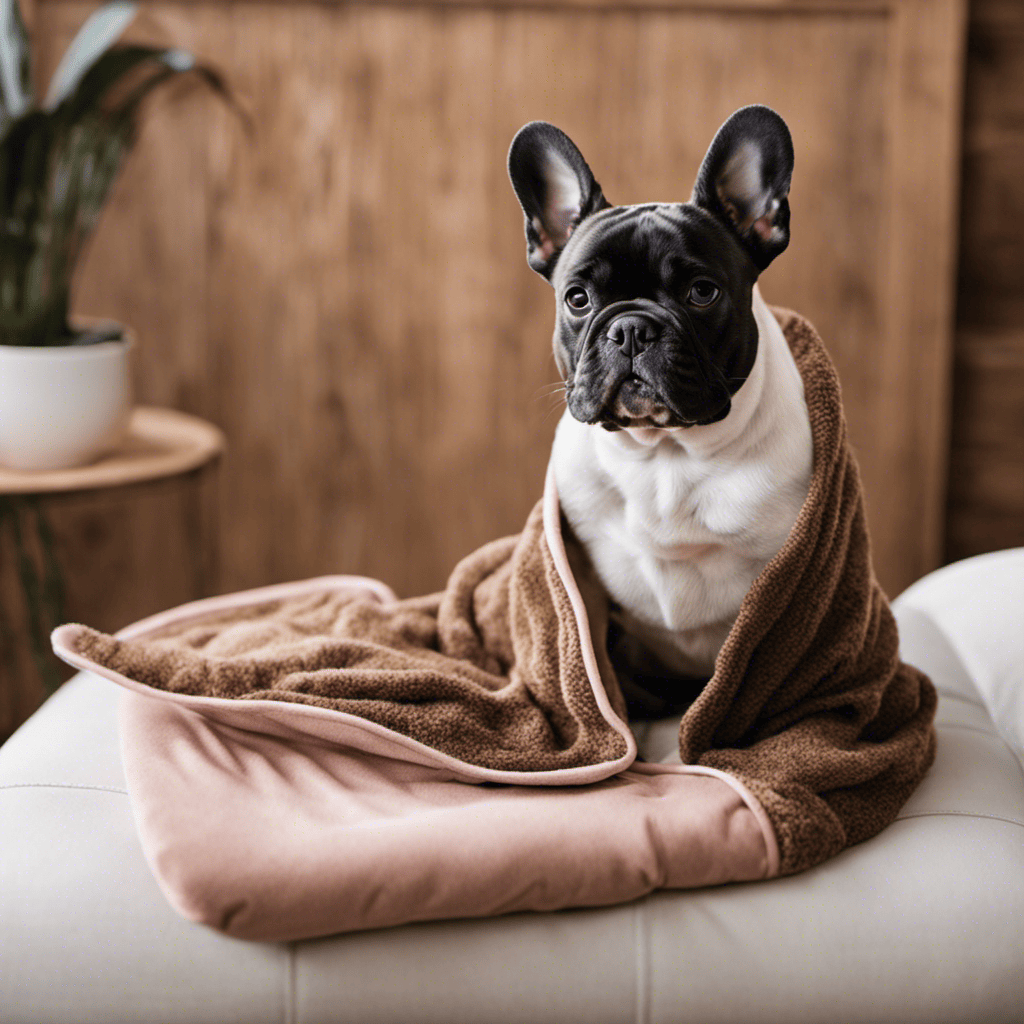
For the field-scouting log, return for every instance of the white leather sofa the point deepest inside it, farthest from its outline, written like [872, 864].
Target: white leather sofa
[923, 923]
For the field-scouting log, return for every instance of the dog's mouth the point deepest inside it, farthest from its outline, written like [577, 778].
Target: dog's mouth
[635, 403]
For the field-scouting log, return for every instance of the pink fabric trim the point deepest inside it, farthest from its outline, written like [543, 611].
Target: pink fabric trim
[556, 544]
[296, 721]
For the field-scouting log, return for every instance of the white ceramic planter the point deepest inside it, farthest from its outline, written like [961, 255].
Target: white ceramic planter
[64, 406]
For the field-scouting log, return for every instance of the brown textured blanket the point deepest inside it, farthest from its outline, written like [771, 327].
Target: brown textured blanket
[504, 675]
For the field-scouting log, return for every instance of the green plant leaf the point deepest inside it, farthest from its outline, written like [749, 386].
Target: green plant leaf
[15, 64]
[97, 123]
[176, 62]
[25, 159]
[100, 31]
[57, 167]
[107, 72]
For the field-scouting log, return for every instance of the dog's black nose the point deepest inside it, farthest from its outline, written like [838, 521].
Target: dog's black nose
[632, 334]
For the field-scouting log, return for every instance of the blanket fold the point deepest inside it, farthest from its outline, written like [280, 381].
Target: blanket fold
[809, 703]
[809, 736]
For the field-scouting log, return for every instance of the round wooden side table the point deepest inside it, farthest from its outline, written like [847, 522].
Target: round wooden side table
[159, 444]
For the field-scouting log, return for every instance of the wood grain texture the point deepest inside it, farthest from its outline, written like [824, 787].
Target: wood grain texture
[986, 484]
[347, 296]
[986, 487]
[124, 553]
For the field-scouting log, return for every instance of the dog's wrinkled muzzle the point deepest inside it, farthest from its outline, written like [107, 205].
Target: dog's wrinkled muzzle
[633, 371]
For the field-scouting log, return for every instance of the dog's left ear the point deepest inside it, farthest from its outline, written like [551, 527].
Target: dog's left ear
[556, 190]
[744, 181]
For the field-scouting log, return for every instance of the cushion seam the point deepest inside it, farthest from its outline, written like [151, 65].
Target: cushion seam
[641, 963]
[62, 785]
[961, 814]
[291, 1014]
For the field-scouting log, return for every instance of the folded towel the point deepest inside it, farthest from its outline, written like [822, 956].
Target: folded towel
[810, 734]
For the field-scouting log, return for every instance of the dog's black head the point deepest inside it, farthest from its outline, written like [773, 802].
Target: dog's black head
[654, 324]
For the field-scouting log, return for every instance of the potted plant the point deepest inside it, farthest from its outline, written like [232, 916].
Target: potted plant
[64, 383]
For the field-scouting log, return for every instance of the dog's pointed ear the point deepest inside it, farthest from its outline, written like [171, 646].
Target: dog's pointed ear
[555, 188]
[744, 181]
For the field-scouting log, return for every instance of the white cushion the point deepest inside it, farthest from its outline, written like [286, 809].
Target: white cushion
[923, 923]
[978, 606]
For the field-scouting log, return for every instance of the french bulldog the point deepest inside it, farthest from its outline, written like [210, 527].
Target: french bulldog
[684, 454]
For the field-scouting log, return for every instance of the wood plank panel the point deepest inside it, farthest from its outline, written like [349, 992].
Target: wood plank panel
[986, 491]
[986, 482]
[347, 296]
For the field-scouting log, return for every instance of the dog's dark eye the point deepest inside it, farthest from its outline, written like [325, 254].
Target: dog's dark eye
[703, 293]
[577, 298]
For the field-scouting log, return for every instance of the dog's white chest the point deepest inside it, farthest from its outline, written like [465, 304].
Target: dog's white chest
[679, 523]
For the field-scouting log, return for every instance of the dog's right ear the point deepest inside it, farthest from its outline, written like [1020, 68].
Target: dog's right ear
[555, 188]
